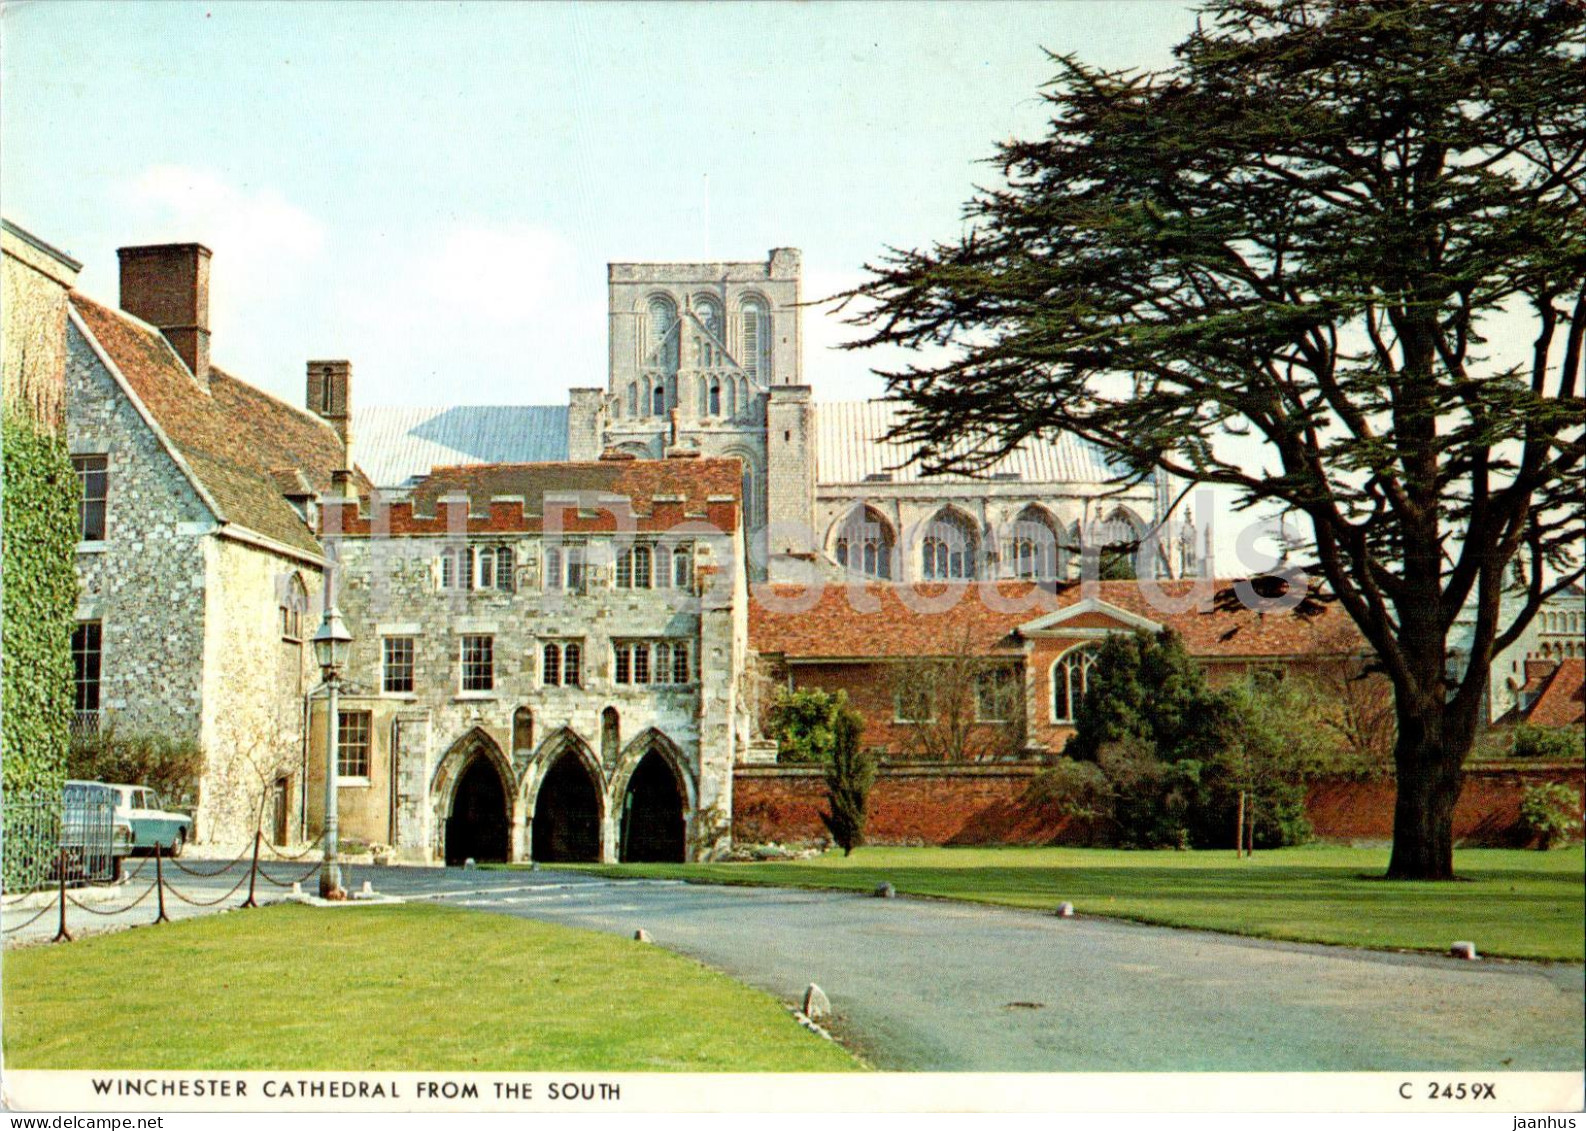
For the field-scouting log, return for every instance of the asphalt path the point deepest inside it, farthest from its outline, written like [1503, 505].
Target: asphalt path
[935, 985]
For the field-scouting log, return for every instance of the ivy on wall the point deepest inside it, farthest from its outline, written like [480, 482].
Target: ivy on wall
[38, 540]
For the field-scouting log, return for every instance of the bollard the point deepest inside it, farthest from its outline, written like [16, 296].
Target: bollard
[159, 882]
[297, 889]
[253, 871]
[63, 935]
[1065, 910]
[368, 890]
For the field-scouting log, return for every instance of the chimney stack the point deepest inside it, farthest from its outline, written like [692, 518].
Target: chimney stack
[330, 395]
[167, 285]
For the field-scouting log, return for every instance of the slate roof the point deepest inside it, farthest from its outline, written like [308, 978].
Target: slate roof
[849, 446]
[396, 444]
[1562, 700]
[879, 621]
[236, 440]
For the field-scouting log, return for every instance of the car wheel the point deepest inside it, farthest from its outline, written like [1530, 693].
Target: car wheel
[178, 842]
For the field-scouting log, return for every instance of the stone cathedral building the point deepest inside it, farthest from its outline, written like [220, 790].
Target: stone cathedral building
[707, 358]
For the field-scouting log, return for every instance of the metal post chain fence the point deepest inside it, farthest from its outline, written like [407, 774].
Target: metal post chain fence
[295, 855]
[269, 879]
[226, 867]
[235, 888]
[44, 909]
[75, 902]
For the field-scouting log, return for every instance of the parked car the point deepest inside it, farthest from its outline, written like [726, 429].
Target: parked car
[139, 807]
[95, 836]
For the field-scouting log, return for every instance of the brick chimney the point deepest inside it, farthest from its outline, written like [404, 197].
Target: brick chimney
[167, 285]
[330, 395]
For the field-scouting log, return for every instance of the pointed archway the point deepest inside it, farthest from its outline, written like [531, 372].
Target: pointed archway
[477, 827]
[566, 826]
[654, 825]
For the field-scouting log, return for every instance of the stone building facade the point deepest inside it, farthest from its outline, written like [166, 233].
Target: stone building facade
[34, 281]
[200, 576]
[546, 662]
[707, 358]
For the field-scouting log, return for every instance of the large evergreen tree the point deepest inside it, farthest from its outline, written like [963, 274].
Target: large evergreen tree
[1303, 233]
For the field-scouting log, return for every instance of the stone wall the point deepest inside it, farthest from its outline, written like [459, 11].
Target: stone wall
[145, 581]
[255, 680]
[34, 280]
[952, 805]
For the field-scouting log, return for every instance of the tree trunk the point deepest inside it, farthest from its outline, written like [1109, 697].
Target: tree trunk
[1430, 753]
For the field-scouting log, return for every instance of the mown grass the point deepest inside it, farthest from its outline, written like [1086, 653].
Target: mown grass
[402, 988]
[1511, 903]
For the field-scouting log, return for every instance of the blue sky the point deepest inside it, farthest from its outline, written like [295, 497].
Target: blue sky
[433, 190]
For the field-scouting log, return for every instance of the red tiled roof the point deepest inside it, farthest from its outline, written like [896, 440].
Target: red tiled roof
[638, 479]
[235, 438]
[662, 494]
[889, 620]
[1562, 701]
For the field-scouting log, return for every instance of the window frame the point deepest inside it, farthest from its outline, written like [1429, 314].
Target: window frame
[1082, 656]
[85, 475]
[483, 664]
[387, 667]
[361, 730]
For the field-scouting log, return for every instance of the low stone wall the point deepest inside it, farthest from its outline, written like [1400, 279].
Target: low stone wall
[964, 805]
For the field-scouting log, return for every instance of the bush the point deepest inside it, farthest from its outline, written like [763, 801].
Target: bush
[804, 724]
[1550, 813]
[849, 775]
[1548, 744]
[169, 766]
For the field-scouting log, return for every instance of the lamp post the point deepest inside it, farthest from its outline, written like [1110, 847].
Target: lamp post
[332, 643]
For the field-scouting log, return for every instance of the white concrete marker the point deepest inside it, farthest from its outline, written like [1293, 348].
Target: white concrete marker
[1065, 910]
[1465, 950]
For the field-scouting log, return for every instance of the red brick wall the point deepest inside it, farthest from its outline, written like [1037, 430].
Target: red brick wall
[985, 805]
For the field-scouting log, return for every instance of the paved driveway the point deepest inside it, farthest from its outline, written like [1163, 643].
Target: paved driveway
[930, 985]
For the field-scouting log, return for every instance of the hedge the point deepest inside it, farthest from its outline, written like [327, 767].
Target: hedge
[38, 539]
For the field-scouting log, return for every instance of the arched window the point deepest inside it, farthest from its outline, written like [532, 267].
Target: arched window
[633, 400]
[755, 351]
[633, 568]
[610, 735]
[729, 401]
[713, 403]
[1031, 551]
[551, 665]
[708, 310]
[949, 549]
[522, 731]
[658, 401]
[662, 345]
[1070, 680]
[294, 603]
[864, 544]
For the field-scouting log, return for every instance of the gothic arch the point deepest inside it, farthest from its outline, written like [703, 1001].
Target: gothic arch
[648, 741]
[564, 740]
[1032, 547]
[753, 504]
[864, 542]
[443, 784]
[948, 546]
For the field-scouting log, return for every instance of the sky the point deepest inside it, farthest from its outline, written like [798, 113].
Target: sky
[433, 190]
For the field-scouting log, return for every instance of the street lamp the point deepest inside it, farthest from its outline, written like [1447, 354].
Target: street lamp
[332, 644]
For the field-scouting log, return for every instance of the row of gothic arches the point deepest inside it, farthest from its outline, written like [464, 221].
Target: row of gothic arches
[569, 804]
[951, 545]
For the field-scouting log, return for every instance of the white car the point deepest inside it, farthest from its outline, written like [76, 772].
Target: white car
[138, 807]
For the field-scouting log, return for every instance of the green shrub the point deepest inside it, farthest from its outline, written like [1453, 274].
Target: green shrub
[849, 775]
[1550, 813]
[1548, 744]
[38, 529]
[804, 724]
[169, 766]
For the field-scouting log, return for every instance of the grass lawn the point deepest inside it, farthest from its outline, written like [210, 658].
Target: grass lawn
[1513, 903]
[414, 987]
